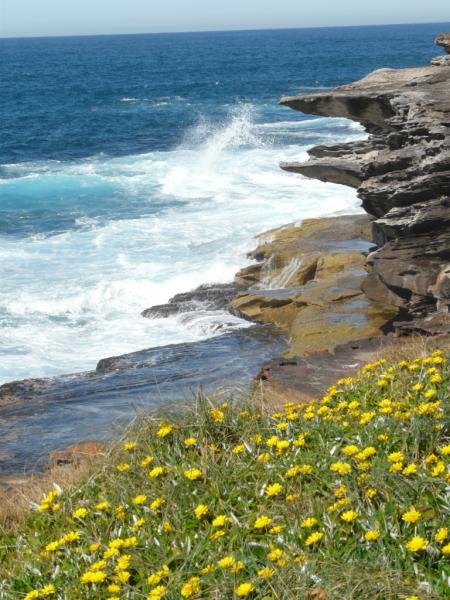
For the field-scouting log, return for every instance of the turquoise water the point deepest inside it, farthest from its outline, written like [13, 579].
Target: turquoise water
[136, 167]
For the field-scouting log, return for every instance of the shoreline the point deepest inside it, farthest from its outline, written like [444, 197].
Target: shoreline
[320, 288]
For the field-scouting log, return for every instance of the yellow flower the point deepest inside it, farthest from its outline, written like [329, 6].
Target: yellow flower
[441, 535]
[446, 549]
[190, 441]
[264, 457]
[129, 446]
[208, 569]
[313, 538]
[164, 430]
[416, 544]
[123, 576]
[272, 441]
[244, 589]
[266, 573]
[157, 593]
[350, 450]
[217, 534]
[157, 503]
[145, 462]
[102, 506]
[220, 521]
[282, 447]
[411, 516]
[217, 415]
[410, 469]
[396, 467]
[156, 472]
[308, 523]
[371, 493]
[277, 529]
[191, 587]
[80, 513]
[201, 511]
[445, 450]
[226, 562]
[192, 474]
[93, 577]
[94, 547]
[372, 535]
[167, 527]
[340, 467]
[438, 469]
[262, 522]
[275, 554]
[274, 489]
[395, 457]
[238, 449]
[349, 515]
[47, 590]
[139, 499]
[293, 471]
[122, 467]
[113, 588]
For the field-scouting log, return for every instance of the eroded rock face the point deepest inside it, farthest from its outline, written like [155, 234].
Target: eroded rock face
[444, 41]
[402, 174]
[308, 283]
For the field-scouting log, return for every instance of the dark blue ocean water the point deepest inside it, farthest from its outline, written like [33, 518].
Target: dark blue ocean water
[134, 167]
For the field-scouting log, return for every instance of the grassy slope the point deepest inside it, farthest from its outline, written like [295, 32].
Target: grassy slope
[231, 501]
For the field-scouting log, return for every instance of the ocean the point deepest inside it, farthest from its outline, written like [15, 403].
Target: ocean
[134, 167]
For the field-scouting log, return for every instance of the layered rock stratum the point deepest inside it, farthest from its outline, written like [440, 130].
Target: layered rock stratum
[402, 175]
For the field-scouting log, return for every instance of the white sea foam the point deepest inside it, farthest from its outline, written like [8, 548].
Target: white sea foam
[68, 300]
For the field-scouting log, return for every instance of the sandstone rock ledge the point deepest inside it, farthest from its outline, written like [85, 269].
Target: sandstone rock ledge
[307, 281]
[402, 174]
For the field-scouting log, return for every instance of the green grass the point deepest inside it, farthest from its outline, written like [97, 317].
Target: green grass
[372, 456]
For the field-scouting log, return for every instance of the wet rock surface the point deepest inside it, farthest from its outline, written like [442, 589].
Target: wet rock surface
[402, 173]
[307, 281]
[47, 415]
[205, 297]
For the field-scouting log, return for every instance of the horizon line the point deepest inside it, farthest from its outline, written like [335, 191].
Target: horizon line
[237, 29]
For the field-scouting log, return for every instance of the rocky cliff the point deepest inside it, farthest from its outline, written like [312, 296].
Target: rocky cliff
[402, 175]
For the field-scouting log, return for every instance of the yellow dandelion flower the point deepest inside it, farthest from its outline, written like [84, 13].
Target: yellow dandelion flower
[129, 446]
[226, 562]
[164, 430]
[441, 535]
[113, 588]
[238, 449]
[192, 474]
[372, 535]
[274, 489]
[123, 467]
[244, 589]
[293, 471]
[395, 457]
[217, 534]
[191, 587]
[167, 527]
[262, 522]
[349, 515]
[313, 538]
[266, 573]
[340, 467]
[417, 544]
[350, 450]
[201, 511]
[438, 469]
[264, 457]
[410, 469]
[157, 593]
[190, 441]
[157, 503]
[80, 513]
[445, 450]
[308, 523]
[220, 520]
[446, 549]
[217, 415]
[93, 577]
[208, 569]
[146, 461]
[411, 516]
[156, 472]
